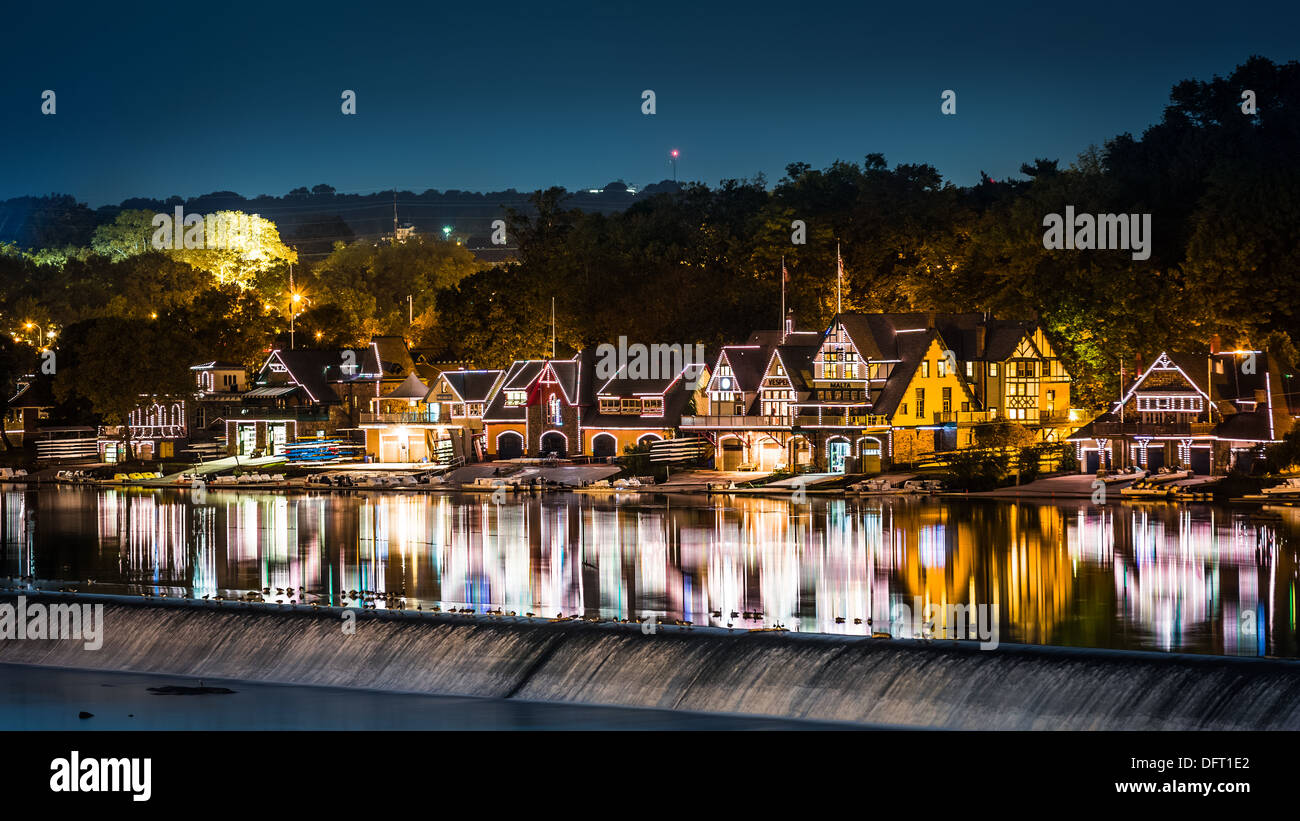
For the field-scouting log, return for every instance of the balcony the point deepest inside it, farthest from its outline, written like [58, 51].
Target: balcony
[731, 422]
[404, 418]
[1130, 428]
[960, 417]
[841, 420]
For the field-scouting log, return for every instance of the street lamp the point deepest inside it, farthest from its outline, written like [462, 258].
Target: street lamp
[30, 325]
[674, 154]
[295, 299]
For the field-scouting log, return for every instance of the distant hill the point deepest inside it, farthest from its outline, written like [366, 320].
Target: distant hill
[309, 219]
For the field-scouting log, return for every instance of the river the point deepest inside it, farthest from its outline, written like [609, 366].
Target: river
[1151, 576]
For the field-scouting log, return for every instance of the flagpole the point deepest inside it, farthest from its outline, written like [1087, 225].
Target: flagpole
[782, 325]
[839, 275]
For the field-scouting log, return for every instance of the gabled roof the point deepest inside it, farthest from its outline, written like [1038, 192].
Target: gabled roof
[799, 338]
[568, 373]
[218, 365]
[909, 349]
[393, 357]
[520, 376]
[411, 388]
[797, 360]
[470, 386]
[874, 335]
[1230, 387]
[428, 366]
[313, 369]
[676, 395]
[748, 364]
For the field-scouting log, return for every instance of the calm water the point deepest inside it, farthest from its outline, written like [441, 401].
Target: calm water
[1145, 576]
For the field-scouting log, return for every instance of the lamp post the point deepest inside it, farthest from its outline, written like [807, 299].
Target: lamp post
[40, 336]
[674, 154]
[294, 299]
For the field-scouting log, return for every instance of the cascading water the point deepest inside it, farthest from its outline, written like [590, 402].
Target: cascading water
[870, 681]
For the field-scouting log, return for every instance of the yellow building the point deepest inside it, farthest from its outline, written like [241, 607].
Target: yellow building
[876, 389]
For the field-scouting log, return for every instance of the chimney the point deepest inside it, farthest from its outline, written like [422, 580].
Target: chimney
[981, 331]
[929, 320]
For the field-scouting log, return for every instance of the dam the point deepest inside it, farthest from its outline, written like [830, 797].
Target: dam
[867, 681]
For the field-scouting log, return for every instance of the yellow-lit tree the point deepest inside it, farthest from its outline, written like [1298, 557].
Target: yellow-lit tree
[236, 248]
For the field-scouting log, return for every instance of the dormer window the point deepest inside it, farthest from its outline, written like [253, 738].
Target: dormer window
[516, 398]
[609, 404]
[652, 406]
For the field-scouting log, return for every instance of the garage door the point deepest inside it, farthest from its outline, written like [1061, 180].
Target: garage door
[389, 451]
[733, 452]
[603, 444]
[510, 446]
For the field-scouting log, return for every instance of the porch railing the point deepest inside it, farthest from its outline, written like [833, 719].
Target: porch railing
[841, 420]
[404, 418]
[735, 422]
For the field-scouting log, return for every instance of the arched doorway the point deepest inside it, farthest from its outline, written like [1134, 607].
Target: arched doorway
[731, 454]
[648, 439]
[770, 454]
[837, 451]
[869, 451]
[510, 445]
[603, 445]
[554, 442]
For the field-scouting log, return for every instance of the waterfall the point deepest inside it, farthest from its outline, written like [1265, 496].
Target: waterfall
[829, 678]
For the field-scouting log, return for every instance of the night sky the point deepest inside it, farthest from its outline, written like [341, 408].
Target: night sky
[189, 98]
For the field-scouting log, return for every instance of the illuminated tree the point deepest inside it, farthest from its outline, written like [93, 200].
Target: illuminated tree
[238, 247]
[127, 235]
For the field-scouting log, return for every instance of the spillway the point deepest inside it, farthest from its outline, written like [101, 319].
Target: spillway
[879, 682]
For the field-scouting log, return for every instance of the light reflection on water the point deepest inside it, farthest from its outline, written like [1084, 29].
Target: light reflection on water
[1149, 576]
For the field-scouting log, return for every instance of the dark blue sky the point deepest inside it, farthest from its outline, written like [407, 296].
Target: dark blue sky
[188, 98]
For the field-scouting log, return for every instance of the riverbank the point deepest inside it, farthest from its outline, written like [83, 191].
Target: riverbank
[863, 681]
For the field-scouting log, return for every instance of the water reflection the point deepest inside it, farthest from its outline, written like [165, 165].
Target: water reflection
[1148, 576]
